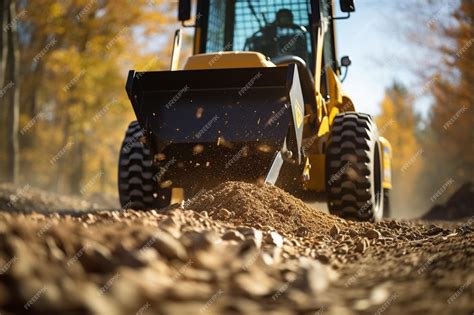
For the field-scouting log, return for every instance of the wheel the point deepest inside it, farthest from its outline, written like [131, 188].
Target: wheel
[386, 203]
[354, 168]
[137, 188]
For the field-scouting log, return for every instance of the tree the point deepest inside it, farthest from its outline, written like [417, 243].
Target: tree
[10, 91]
[398, 123]
[443, 36]
[75, 55]
[452, 115]
[3, 62]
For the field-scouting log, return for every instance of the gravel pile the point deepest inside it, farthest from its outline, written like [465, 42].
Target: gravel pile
[232, 250]
[260, 206]
[28, 199]
[459, 206]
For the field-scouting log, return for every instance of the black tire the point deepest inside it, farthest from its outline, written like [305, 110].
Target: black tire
[386, 203]
[354, 168]
[137, 188]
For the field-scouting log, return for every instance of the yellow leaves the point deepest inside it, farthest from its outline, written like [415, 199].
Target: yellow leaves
[56, 10]
[83, 75]
[398, 123]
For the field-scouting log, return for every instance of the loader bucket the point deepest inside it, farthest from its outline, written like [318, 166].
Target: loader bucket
[221, 124]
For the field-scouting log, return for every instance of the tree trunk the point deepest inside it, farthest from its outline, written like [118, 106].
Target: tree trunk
[61, 168]
[3, 107]
[3, 41]
[77, 175]
[13, 74]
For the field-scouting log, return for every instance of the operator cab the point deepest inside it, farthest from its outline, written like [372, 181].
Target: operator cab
[277, 29]
[280, 39]
[281, 31]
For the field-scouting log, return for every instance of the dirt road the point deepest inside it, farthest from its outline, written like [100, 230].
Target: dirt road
[238, 249]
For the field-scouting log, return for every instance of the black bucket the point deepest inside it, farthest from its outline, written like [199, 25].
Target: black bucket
[256, 108]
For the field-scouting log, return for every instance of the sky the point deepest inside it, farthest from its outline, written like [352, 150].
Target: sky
[376, 48]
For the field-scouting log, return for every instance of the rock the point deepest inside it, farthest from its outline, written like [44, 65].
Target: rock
[334, 231]
[255, 283]
[22, 261]
[273, 238]
[353, 233]
[434, 230]
[362, 245]
[251, 233]
[323, 258]
[394, 225]
[223, 214]
[373, 234]
[211, 259]
[342, 249]
[53, 248]
[248, 245]
[94, 257]
[171, 226]
[195, 240]
[190, 290]
[194, 274]
[273, 248]
[168, 246]
[302, 231]
[312, 276]
[233, 235]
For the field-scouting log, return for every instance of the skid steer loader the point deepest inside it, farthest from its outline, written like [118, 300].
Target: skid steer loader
[260, 100]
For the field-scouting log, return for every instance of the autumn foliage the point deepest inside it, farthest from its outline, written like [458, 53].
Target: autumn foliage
[434, 156]
[74, 56]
